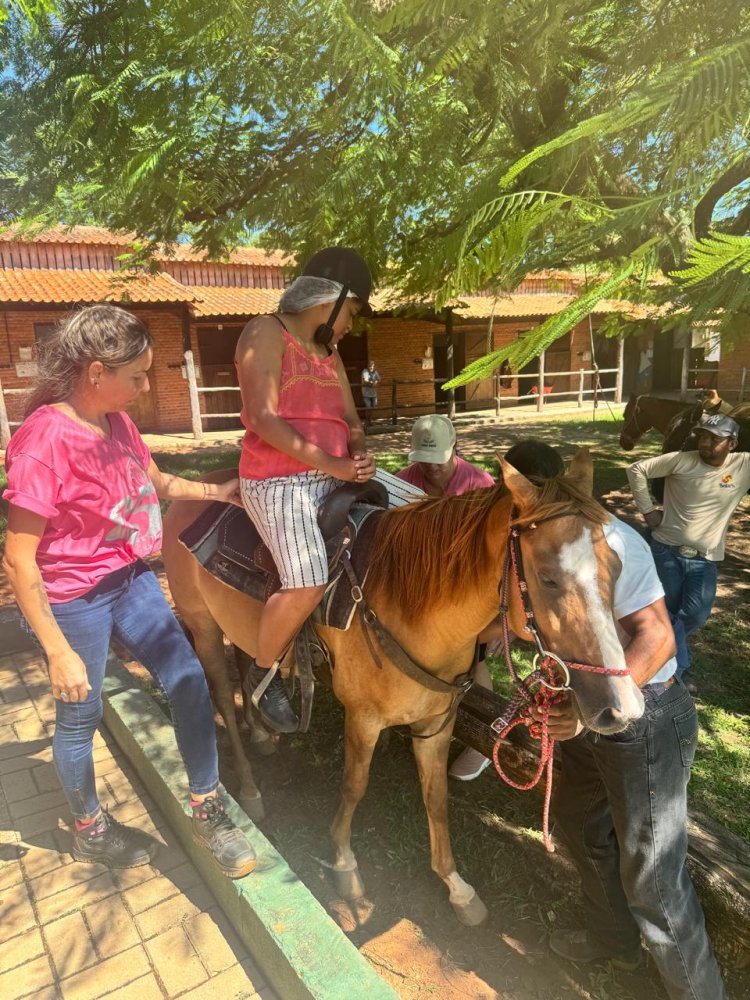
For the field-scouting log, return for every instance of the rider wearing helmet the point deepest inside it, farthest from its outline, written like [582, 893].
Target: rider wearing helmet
[303, 439]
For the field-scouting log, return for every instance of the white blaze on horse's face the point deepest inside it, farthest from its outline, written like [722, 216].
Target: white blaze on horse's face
[579, 560]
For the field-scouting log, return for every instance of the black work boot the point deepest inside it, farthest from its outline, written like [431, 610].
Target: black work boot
[215, 831]
[110, 843]
[272, 702]
[577, 946]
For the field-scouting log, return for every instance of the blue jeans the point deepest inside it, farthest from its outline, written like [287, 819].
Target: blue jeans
[129, 605]
[689, 592]
[621, 807]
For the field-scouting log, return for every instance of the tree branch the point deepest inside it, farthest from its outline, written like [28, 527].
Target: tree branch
[704, 210]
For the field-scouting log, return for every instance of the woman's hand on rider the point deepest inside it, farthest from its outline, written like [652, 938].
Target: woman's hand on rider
[68, 677]
[563, 722]
[228, 492]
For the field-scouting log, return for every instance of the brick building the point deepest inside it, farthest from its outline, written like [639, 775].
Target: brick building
[199, 305]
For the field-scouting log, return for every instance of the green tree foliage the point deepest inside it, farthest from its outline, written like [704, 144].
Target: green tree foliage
[459, 143]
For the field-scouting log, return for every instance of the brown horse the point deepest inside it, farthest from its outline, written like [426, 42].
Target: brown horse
[433, 584]
[644, 412]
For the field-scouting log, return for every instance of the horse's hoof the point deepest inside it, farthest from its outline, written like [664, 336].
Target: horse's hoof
[253, 806]
[349, 884]
[472, 913]
[265, 747]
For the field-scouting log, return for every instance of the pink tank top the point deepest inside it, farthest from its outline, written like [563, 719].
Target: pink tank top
[311, 400]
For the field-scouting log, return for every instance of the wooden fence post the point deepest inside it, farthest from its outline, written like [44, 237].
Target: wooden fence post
[195, 406]
[394, 404]
[581, 372]
[743, 377]
[496, 386]
[620, 368]
[4, 425]
[540, 397]
[449, 369]
[685, 368]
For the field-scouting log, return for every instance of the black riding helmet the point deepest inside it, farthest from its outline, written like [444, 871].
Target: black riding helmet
[346, 266]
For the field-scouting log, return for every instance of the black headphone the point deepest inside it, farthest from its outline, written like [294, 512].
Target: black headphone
[324, 333]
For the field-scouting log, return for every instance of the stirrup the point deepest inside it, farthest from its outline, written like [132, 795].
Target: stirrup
[260, 690]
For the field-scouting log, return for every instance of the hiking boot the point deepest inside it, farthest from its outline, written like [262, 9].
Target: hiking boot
[469, 764]
[270, 698]
[575, 946]
[110, 843]
[215, 831]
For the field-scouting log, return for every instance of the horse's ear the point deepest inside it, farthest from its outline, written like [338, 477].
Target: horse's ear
[582, 470]
[523, 492]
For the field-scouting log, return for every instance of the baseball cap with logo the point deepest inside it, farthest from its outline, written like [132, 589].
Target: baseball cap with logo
[719, 425]
[433, 438]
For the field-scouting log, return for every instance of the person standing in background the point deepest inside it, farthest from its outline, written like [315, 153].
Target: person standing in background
[370, 383]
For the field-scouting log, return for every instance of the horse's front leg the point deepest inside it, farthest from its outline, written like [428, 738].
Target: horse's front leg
[360, 736]
[432, 763]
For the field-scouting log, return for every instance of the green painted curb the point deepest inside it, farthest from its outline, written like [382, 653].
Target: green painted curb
[299, 948]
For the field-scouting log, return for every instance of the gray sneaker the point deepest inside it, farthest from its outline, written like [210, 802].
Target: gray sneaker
[215, 831]
[575, 946]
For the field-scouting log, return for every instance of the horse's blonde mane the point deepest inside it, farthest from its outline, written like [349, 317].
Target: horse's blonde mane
[425, 553]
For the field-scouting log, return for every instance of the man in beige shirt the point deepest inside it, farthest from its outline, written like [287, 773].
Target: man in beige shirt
[701, 491]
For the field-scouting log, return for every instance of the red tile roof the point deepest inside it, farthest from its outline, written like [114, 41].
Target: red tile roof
[69, 234]
[252, 256]
[215, 300]
[98, 235]
[62, 287]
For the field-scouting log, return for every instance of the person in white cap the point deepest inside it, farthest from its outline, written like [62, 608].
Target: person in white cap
[701, 492]
[435, 467]
[440, 472]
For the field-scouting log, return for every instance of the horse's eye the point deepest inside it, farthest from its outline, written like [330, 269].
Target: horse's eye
[548, 582]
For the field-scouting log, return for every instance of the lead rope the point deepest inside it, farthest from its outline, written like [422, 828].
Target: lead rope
[519, 708]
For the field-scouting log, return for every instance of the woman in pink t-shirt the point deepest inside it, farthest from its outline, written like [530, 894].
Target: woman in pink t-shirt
[84, 493]
[303, 439]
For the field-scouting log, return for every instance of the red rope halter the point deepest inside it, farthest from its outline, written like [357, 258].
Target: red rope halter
[546, 670]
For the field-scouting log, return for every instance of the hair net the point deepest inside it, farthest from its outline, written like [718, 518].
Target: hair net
[307, 291]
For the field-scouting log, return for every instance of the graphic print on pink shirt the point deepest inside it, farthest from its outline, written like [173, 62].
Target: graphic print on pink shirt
[101, 508]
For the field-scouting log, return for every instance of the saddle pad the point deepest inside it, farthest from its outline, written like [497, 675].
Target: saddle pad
[338, 606]
[225, 542]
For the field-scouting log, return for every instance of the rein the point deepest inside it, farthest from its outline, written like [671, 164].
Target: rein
[549, 671]
[398, 656]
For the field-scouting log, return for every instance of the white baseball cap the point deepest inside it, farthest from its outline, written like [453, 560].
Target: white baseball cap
[433, 438]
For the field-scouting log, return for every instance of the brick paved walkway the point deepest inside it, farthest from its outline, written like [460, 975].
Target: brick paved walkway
[78, 931]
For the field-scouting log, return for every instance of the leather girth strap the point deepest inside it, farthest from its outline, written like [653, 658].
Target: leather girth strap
[400, 658]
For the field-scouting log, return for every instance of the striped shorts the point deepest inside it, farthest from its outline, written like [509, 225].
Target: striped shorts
[285, 512]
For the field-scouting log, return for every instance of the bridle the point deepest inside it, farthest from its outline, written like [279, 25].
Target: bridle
[546, 666]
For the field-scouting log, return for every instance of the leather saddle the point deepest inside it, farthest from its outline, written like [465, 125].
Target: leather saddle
[225, 541]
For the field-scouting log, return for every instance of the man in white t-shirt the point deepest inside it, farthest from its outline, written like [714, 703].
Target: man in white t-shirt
[620, 804]
[701, 492]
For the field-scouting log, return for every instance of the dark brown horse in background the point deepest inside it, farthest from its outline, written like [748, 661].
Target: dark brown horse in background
[670, 416]
[433, 584]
